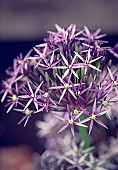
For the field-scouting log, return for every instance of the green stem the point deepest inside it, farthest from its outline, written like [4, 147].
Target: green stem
[83, 134]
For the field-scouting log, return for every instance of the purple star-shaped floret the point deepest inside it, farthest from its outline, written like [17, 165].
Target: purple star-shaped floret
[70, 121]
[91, 36]
[94, 117]
[102, 87]
[69, 66]
[66, 86]
[114, 80]
[27, 114]
[88, 62]
[13, 99]
[31, 95]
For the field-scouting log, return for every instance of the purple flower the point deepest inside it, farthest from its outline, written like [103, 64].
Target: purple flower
[80, 90]
[94, 117]
[97, 48]
[27, 114]
[70, 121]
[107, 102]
[41, 54]
[83, 96]
[101, 87]
[64, 75]
[46, 95]
[13, 99]
[87, 62]
[90, 36]
[114, 80]
[21, 64]
[32, 96]
[7, 86]
[114, 50]
[69, 66]
[49, 64]
[65, 36]
[44, 104]
[66, 86]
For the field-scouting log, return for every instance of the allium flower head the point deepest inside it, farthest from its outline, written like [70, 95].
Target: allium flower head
[63, 75]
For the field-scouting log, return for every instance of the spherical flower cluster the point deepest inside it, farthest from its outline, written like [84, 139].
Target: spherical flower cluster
[64, 74]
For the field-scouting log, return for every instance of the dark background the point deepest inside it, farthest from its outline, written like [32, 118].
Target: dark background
[23, 24]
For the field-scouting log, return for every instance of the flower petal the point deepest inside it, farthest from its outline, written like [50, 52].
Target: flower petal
[63, 93]
[64, 59]
[91, 126]
[110, 73]
[65, 74]
[95, 68]
[101, 123]
[72, 130]
[72, 93]
[80, 124]
[79, 56]
[95, 59]
[64, 127]
[59, 118]
[28, 103]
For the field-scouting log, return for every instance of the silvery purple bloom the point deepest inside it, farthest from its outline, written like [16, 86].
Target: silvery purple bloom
[114, 51]
[13, 99]
[66, 86]
[114, 80]
[87, 62]
[91, 36]
[93, 116]
[107, 102]
[102, 86]
[27, 115]
[63, 74]
[32, 96]
[69, 80]
[70, 121]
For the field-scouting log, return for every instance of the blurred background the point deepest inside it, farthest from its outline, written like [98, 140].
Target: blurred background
[23, 24]
[30, 19]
